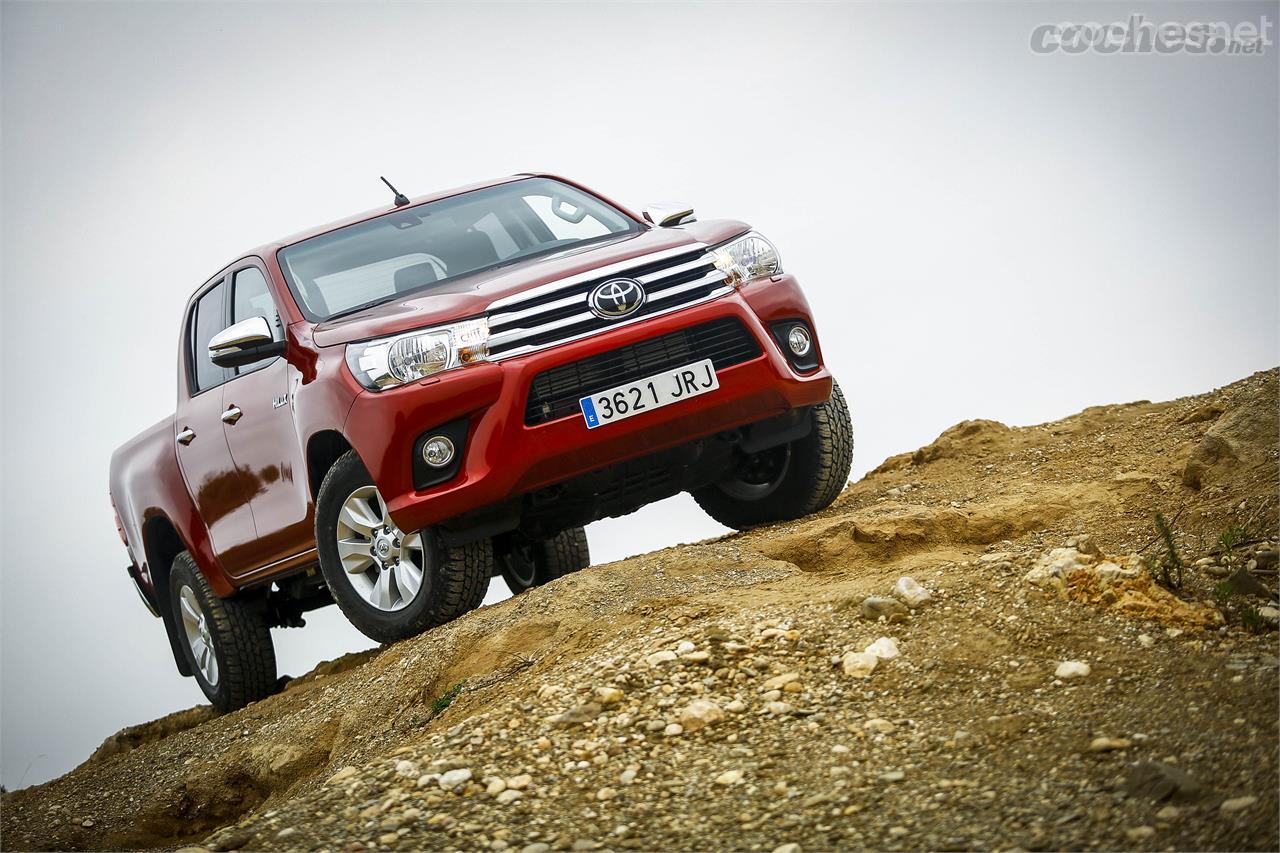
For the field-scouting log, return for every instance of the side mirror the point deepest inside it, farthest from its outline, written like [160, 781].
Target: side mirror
[668, 215]
[246, 342]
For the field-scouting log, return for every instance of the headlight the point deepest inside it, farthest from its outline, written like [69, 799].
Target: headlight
[747, 258]
[405, 358]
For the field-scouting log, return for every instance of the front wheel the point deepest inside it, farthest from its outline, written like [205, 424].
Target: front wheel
[788, 481]
[526, 563]
[226, 642]
[388, 583]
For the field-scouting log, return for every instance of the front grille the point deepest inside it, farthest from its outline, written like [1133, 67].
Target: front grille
[555, 393]
[558, 312]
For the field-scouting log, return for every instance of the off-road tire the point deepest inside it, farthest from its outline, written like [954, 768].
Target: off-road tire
[562, 554]
[816, 473]
[241, 639]
[454, 579]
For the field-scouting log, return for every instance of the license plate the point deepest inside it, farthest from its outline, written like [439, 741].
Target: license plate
[654, 392]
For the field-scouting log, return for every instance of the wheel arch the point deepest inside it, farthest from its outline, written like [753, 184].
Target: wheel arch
[162, 543]
[323, 449]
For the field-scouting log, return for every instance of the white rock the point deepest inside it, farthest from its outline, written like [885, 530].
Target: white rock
[779, 708]
[454, 778]
[859, 664]
[729, 777]
[789, 847]
[911, 593]
[494, 785]
[508, 796]
[879, 724]
[407, 769]
[1107, 744]
[608, 695]
[737, 706]
[885, 648]
[685, 647]
[1139, 833]
[700, 713]
[673, 729]
[519, 783]
[659, 658]
[1069, 669]
[1052, 567]
[1146, 640]
[1269, 615]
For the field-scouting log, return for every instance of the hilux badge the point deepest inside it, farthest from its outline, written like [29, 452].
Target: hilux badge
[616, 298]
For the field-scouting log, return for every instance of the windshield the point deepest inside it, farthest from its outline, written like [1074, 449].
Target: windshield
[417, 248]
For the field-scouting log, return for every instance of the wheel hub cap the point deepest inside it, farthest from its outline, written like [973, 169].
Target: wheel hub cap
[195, 625]
[383, 564]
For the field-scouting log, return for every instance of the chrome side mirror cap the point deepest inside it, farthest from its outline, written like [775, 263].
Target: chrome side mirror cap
[242, 343]
[668, 215]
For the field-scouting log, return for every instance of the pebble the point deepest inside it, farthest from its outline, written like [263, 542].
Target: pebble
[876, 607]
[789, 847]
[879, 724]
[454, 778]
[407, 769]
[536, 847]
[495, 786]
[1069, 669]
[780, 681]
[737, 706]
[1138, 833]
[885, 648]
[729, 777]
[508, 796]
[606, 794]
[388, 838]
[892, 776]
[673, 730]
[859, 664]
[1168, 813]
[519, 783]
[659, 658]
[342, 775]
[700, 713]
[608, 695]
[779, 708]
[287, 832]
[1236, 804]
[1107, 744]
[1146, 640]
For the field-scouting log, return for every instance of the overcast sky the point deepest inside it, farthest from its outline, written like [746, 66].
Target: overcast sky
[982, 231]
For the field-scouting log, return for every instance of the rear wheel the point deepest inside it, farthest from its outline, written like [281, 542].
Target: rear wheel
[390, 584]
[526, 563]
[788, 481]
[226, 641]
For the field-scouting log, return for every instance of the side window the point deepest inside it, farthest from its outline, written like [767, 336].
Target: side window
[250, 297]
[208, 320]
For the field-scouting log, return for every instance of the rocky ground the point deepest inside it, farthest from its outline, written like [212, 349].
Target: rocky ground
[1036, 684]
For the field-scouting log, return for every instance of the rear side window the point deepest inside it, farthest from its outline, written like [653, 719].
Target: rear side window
[209, 319]
[250, 297]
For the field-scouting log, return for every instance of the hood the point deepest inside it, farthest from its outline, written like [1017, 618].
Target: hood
[470, 295]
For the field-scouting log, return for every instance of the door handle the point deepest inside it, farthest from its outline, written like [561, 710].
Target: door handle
[187, 436]
[232, 414]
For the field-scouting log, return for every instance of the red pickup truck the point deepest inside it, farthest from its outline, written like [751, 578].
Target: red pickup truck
[388, 411]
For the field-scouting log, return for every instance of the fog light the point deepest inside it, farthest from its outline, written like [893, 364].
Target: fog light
[799, 341]
[437, 451]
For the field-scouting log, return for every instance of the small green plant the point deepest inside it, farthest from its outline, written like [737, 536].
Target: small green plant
[440, 703]
[1222, 594]
[1167, 568]
[1251, 619]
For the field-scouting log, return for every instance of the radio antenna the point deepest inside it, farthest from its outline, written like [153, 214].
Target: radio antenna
[401, 198]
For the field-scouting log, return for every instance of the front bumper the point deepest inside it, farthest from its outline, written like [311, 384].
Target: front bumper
[504, 457]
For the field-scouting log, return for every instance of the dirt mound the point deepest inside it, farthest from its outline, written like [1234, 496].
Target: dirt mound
[734, 694]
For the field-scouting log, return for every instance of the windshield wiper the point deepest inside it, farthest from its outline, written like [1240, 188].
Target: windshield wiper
[357, 308]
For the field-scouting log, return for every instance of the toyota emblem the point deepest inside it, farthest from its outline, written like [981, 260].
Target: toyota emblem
[616, 298]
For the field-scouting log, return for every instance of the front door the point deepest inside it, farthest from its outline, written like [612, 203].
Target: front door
[212, 479]
[258, 415]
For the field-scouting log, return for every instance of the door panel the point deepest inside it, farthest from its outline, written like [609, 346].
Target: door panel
[203, 455]
[264, 443]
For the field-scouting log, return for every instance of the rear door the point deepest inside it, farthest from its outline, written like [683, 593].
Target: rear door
[203, 455]
[259, 426]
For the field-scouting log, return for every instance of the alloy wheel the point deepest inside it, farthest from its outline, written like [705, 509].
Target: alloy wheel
[383, 564]
[196, 627]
